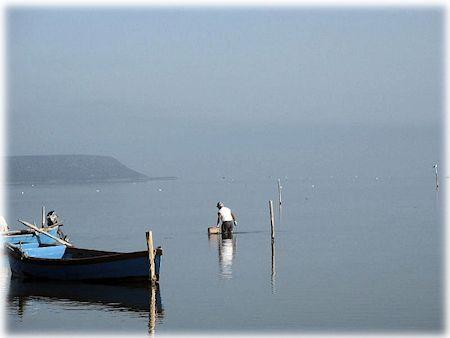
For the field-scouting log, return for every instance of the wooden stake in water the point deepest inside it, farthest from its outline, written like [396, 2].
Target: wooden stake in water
[272, 221]
[43, 216]
[151, 257]
[436, 173]
[279, 196]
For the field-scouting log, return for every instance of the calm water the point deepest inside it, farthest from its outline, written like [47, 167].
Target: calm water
[351, 254]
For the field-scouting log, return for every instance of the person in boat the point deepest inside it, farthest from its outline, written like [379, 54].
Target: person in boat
[225, 219]
[53, 219]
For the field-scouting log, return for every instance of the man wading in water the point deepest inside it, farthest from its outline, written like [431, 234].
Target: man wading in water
[227, 219]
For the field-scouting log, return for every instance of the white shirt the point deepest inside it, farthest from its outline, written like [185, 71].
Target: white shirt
[225, 214]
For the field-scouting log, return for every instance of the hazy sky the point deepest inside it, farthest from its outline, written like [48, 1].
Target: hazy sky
[163, 89]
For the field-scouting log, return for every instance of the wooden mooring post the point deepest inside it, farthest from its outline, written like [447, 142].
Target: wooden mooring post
[151, 257]
[272, 221]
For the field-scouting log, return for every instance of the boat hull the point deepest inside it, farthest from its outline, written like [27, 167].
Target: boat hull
[83, 265]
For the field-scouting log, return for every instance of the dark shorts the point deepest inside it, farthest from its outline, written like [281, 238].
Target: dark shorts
[227, 227]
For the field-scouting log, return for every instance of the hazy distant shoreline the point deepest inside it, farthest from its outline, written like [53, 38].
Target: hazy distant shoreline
[71, 169]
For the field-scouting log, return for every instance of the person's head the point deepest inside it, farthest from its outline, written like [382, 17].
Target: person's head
[219, 205]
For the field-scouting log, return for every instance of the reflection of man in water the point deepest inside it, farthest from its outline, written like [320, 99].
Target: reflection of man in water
[226, 255]
[226, 219]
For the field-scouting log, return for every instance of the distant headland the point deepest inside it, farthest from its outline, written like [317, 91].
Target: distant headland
[60, 169]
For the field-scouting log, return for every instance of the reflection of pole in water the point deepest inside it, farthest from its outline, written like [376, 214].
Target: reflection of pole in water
[273, 272]
[22, 302]
[155, 308]
[226, 254]
[152, 311]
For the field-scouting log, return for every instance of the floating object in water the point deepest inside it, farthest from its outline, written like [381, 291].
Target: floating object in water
[214, 230]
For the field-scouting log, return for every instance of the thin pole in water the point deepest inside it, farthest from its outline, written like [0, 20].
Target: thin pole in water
[436, 173]
[43, 216]
[279, 196]
[151, 257]
[272, 236]
[272, 221]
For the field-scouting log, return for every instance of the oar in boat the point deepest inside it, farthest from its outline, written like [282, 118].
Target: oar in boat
[45, 233]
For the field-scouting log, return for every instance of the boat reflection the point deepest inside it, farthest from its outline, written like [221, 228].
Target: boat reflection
[137, 297]
[227, 250]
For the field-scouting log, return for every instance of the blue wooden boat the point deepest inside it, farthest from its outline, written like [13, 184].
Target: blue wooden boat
[31, 236]
[60, 262]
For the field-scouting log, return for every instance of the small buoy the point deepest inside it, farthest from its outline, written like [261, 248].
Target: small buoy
[22, 192]
[312, 185]
[32, 185]
[97, 190]
[376, 178]
[159, 189]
